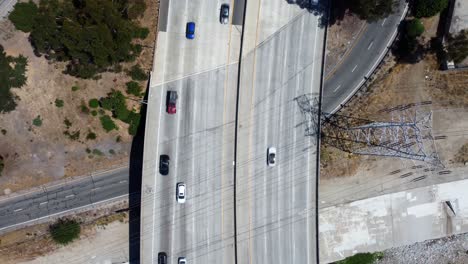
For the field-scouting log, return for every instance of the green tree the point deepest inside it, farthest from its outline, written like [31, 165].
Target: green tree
[107, 123]
[93, 103]
[65, 231]
[23, 16]
[428, 8]
[414, 28]
[93, 36]
[372, 10]
[133, 88]
[137, 73]
[458, 46]
[12, 75]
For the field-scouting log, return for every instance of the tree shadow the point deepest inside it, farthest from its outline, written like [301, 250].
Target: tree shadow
[134, 197]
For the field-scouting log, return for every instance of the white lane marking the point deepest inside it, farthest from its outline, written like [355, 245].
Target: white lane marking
[95, 189]
[370, 45]
[43, 203]
[69, 196]
[336, 89]
[17, 210]
[354, 68]
[124, 181]
[383, 22]
[66, 211]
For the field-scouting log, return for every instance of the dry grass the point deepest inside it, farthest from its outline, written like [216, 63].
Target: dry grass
[38, 155]
[462, 154]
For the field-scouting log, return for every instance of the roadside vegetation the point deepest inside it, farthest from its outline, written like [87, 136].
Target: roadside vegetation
[12, 75]
[462, 155]
[428, 8]
[457, 46]
[65, 231]
[362, 258]
[92, 36]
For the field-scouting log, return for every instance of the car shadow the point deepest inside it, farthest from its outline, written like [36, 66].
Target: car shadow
[134, 198]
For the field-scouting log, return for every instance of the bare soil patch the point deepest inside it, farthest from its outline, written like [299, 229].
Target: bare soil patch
[397, 85]
[34, 155]
[30, 243]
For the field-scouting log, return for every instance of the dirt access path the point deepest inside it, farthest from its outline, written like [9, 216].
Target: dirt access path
[35, 155]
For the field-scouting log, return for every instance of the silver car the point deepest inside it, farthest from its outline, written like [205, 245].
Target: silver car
[182, 260]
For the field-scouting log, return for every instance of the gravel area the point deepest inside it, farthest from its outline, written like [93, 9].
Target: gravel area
[453, 250]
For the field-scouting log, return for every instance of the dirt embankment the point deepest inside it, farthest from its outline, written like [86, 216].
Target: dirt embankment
[34, 155]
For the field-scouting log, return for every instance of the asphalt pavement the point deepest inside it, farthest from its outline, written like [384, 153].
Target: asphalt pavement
[359, 63]
[69, 195]
[6, 6]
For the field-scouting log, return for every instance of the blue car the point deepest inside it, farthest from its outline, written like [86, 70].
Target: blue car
[190, 30]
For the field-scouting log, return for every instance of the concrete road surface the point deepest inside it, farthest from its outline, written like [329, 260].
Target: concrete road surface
[365, 55]
[199, 138]
[6, 6]
[282, 59]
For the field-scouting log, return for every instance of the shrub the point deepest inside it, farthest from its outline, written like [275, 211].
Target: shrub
[91, 135]
[75, 88]
[414, 28]
[141, 32]
[97, 152]
[428, 8]
[362, 258]
[133, 88]
[84, 108]
[118, 139]
[136, 9]
[115, 102]
[72, 135]
[23, 16]
[67, 123]
[458, 46]
[4, 131]
[111, 151]
[371, 10]
[107, 123]
[65, 231]
[37, 121]
[58, 103]
[88, 150]
[94, 113]
[93, 103]
[133, 120]
[137, 73]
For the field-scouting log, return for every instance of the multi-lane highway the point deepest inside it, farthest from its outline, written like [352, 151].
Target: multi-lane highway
[361, 60]
[236, 207]
[282, 59]
[199, 137]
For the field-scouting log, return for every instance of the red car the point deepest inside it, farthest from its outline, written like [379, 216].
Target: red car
[171, 100]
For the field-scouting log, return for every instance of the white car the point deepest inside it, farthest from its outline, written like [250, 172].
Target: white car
[182, 260]
[180, 192]
[271, 156]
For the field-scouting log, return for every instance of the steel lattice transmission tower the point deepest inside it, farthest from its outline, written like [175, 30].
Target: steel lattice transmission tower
[407, 134]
